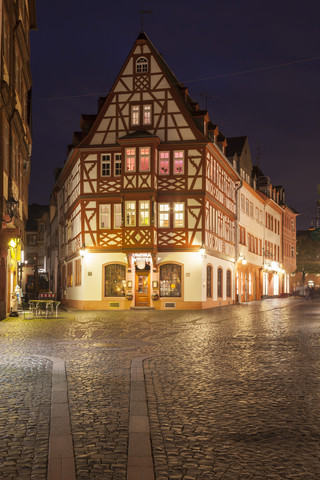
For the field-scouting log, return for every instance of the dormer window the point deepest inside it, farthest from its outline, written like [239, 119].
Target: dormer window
[142, 65]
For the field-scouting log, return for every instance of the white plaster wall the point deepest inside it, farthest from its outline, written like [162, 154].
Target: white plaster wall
[216, 262]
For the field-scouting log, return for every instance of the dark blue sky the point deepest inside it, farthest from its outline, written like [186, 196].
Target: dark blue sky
[80, 47]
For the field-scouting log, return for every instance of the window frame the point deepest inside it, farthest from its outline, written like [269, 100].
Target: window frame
[165, 212]
[144, 156]
[220, 282]
[209, 282]
[144, 63]
[117, 162]
[176, 213]
[166, 160]
[178, 159]
[108, 214]
[110, 293]
[165, 289]
[128, 157]
[131, 215]
[141, 210]
[106, 162]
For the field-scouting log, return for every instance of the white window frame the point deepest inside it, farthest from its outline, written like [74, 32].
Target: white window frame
[144, 213]
[164, 157]
[117, 162]
[178, 159]
[147, 114]
[143, 155]
[106, 162]
[135, 115]
[142, 65]
[178, 215]
[106, 224]
[164, 215]
[117, 215]
[130, 213]
[131, 156]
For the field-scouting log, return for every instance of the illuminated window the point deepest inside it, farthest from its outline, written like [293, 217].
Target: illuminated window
[70, 274]
[117, 215]
[144, 211]
[106, 165]
[135, 115]
[115, 279]
[145, 159]
[178, 163]
[130, 216]
[170, 280]
[105, 216]
[164, 211]
[178, 219]
[77, 276]
[164, 165]
[117, 165]
[147, 115]
[130, 159]
[142, 65]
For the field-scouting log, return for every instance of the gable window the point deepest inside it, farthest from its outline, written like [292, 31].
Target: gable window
[209, 281]
[105, 216]
[178, 219]
[117, 165]
[142, 65]
[147, 115]
[164, 165]
[145, 159]
[115, 278]
[170, 280]
[135, 115]
[130, 214]
[130, 159]
[106, 165]
[144, 210]
[117, 212]
[178, 163]
[164, 210]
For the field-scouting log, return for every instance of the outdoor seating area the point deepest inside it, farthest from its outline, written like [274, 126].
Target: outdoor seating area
[45, 306]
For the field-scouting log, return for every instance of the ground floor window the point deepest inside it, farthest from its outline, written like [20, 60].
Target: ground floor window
[170, 280]
[77, 279]
[209, 281]
[228, 283]
[219, 284]
[115, 277]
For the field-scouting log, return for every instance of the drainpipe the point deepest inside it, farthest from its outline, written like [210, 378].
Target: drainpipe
[238, 186]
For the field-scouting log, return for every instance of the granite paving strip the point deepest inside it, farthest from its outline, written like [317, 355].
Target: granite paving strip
[61, 464]
[140, 463]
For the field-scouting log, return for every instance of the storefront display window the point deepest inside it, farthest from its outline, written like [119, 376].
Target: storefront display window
[170, 280]
[115, 277]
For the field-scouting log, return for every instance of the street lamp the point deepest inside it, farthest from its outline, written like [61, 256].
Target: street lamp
[12, 206]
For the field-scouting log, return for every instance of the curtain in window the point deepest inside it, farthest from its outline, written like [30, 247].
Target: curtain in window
[170, 280]
[115, 277]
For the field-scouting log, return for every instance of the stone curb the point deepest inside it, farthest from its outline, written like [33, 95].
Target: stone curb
[61, 464]
[140, 461]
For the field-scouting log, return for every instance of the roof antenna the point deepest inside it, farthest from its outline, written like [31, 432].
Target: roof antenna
[143, 12]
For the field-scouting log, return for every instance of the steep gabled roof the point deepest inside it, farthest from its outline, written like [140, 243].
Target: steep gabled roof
[235, 146]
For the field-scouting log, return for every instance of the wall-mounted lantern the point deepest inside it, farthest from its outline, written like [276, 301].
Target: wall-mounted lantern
[12, 206]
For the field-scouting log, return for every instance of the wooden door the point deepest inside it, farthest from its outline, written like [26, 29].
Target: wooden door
[142, 289]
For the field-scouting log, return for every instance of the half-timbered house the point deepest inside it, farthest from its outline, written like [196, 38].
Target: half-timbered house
[147, 198]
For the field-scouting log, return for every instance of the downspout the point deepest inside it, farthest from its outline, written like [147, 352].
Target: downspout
[238, 186]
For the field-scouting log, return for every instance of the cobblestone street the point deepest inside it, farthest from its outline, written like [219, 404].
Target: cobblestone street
[232, 393]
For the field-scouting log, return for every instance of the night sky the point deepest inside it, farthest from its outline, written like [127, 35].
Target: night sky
[255, 63]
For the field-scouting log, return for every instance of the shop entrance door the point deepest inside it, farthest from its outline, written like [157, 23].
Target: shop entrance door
[142, 289]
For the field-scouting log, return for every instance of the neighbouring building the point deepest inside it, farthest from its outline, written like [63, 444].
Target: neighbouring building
[155, 207]
[34, 268]
[18, 18]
